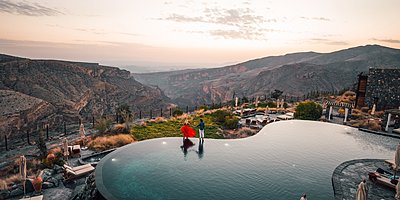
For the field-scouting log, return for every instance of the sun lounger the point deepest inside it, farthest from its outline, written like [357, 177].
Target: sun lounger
[385, 182]
[77, 168]
[77, 172]
[381, 179]
[74, 151]
[40, 197]
[391, 164]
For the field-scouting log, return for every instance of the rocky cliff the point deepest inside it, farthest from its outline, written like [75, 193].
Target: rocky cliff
[295, 74]
[35, 91]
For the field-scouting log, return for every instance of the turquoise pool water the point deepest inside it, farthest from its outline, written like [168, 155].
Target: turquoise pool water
[284, 160]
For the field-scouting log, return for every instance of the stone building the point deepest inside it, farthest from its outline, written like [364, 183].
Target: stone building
[382, 89]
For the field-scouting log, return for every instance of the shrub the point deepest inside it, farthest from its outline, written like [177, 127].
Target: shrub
[271, 104]
[120, 128]
[285, 105]
[220, 115]
[231, 122]
[124, 112]
[262, 105]
[103, 124]
[203, 107]
[108, 142]
[160, 120]
[177, 112]
[246, 132]
[308, 111]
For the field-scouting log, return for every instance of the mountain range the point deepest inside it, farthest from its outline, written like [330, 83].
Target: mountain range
[53, 91]
[295, 74]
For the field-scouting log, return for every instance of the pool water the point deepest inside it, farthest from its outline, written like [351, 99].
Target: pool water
[284, 160]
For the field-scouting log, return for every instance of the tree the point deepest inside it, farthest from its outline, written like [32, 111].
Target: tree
[41, 144]
[125, 112]
[308, 111]
[276, 94]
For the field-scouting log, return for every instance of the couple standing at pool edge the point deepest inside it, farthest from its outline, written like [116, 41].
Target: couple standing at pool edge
[189, 132]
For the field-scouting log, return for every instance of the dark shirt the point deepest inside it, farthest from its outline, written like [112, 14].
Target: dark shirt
[201, 126]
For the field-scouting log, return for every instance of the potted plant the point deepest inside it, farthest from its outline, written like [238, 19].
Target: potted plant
[37, 182]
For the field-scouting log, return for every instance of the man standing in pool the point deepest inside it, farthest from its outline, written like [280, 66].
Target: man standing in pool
[201, 129]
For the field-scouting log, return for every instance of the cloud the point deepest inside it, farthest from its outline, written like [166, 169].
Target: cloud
[236, 23]
[316, 18]
[327, 41]
[29, 9]
[92, 30]
[182, 18]
[394, 41]
[236, 34]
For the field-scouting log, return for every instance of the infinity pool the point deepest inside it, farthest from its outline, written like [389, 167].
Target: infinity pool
[284, 160]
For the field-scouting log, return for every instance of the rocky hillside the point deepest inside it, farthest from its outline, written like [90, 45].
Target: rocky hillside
[32, 91]
[295, 74]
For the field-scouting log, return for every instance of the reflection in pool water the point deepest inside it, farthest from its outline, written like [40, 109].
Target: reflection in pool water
[284, 160]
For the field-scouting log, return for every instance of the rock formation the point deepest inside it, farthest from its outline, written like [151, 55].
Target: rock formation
[33, 92]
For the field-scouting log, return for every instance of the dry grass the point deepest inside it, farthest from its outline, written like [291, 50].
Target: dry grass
[240, 133]
[56, 150]
[368, 124]
[379, 114]
[3, 185]
[120, 128]
[183, 116]
[6, 182]
[364, 109]
[160, 120]
[108, 142]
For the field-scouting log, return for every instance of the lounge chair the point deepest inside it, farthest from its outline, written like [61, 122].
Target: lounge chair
[40, 197]
[382, 177]
[77, 168]
[74, 151]
[391, 164]
[72, 173]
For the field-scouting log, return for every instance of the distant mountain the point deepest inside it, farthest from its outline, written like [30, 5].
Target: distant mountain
[296, 74]
[32, 91]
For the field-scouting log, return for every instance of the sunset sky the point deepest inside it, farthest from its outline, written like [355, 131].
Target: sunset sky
[191, 33]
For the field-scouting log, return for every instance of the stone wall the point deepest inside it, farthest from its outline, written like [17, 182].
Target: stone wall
[383, 87]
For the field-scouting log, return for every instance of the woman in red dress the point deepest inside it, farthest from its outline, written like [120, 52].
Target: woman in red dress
[187, 131]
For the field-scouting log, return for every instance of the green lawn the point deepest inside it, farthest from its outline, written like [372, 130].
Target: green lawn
[171, 128]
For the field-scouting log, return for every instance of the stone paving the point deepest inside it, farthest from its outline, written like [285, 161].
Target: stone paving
[349, 174]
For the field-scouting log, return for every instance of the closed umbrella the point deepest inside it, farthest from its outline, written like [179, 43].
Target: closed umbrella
[362, 191]
[82, 133]
[373, 109]
[22, 170]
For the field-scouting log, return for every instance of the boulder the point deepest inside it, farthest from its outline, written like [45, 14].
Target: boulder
[47, 185]
[16, 192]
[4, 194]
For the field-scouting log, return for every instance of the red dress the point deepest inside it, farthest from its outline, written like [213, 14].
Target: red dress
[187, 131]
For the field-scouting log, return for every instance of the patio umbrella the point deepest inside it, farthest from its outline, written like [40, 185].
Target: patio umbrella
[362, 191]
[22, 170]
[65, 145]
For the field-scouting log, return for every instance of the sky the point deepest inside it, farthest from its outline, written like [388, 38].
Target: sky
[190, 34]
